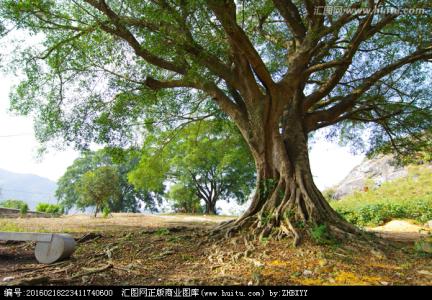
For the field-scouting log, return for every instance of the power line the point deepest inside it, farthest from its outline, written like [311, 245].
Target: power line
[15, 135]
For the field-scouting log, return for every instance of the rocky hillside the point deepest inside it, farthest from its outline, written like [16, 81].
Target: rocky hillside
[373, 171]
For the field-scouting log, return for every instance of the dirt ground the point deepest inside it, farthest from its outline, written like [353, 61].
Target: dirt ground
[136, 249]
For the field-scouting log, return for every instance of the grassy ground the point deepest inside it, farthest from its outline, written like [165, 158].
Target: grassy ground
[129, 249]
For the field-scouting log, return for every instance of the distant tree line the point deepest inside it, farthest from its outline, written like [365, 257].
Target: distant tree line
[15, 204]
[192, 167]
[99, 179]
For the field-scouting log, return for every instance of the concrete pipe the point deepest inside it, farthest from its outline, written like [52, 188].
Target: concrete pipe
[61, 246]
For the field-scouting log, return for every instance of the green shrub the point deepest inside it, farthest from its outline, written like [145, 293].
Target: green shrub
[24, 209]
[16, 204]
[162, 231]
[329, 194]
[42, 207]
[50, 208]
[106, 211]
[11, 203]
[321, 235]
[380, 213]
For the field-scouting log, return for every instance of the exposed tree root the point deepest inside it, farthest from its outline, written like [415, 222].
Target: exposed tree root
[89, 271]
[286, 202]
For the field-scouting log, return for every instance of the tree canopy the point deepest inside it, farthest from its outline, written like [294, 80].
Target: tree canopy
[98, 188]
[206, 160]
[130, 199]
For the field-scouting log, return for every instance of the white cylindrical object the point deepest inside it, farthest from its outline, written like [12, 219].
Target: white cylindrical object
[61, 246]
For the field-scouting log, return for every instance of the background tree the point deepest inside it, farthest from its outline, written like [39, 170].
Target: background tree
[280, 70]
[98, 188]
[206, 159]
[130, 199]
[184, 199]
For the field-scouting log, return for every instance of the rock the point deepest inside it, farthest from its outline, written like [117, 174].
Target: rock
[377, 170]
[307, 273]
[384, 283]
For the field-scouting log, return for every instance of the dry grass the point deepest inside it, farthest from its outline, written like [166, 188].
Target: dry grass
[115, 222]
[175, 250]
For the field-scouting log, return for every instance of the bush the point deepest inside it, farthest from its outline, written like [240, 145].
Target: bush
[11, 203]
[380, 213]
[106, 211]
[16, 204]
[321, 235]
[24, 209]
[55, 209]
[42, 207]
[329, 194]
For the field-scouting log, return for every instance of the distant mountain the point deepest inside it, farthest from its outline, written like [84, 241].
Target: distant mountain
[27, 187]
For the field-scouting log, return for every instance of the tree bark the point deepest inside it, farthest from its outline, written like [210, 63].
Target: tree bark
[285, 194]
[210, 207]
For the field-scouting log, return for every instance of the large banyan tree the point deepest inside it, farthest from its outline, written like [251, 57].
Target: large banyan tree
[279, 69]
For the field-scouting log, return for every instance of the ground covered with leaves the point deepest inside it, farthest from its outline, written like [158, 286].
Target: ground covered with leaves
[168, 251]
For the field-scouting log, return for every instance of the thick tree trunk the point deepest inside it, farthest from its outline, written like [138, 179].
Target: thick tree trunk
[210, 207]
[285, 195]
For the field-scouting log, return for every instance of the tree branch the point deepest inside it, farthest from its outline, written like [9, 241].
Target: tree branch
[226, 14]
[292, 18]
[364, 31]
[121, 31]
[346, 103]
